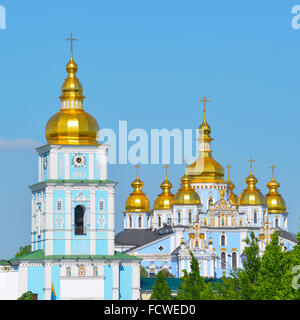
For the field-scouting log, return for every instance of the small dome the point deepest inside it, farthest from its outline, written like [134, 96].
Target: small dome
[251, 196]
[275, 201]
[186, 195]
[165, 200]
[233, 199]
[72, 125]
[137, 201]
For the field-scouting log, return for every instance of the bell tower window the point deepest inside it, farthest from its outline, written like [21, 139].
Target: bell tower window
[80, 220]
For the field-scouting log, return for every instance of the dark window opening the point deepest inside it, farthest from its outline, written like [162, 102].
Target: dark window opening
[79, 220]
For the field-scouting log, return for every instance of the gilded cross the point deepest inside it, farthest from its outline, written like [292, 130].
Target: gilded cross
[71, 39]
[137, 169]
[166, 166]
[204, 100]
[273, 167]
[228, 167]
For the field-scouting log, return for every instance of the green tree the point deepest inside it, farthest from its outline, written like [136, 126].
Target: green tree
[161, 289]
[272, 269]
[23, 250]
[246, 278]
[143, 272]
[167, 273]
[193, 286]
[27, 296]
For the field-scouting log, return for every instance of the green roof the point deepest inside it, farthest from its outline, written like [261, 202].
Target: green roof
[40, 255]
[74, 181]
[4, 263]
[174, 283]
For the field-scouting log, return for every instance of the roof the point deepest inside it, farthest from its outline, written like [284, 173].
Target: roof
[140, 237]
[287, 235]
[174, 283]
[4, 263]
[40, 255]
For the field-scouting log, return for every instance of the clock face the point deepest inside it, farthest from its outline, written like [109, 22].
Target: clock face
[45, 162]
[79, 160]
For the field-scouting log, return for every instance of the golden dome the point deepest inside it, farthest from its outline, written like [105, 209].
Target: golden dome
[186, 194]
[205, 168]
[165, 200]
[232, 197]
[275, 202]
[137, 201]
[251, 196]
[72, 125]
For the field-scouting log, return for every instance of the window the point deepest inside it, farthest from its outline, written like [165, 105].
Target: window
[190, 217]
[210, 202]
[178, 217]
[205, 221]
[79, 220]
[140, 222]
[59, 205]
[101, 205]
[276, 223]
[169, 221]
[81, 270]
[68, 271]
[95, 271]
[130, 222]
[159, 221]
[255, 217]
[234, 260]
[223, 241]
[223, 260]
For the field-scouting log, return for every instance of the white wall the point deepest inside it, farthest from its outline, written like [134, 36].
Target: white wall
[9, 285]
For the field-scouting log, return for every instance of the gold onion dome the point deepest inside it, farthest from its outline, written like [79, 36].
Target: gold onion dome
[72, 125]
[205, 168]
[137, 201]
[275, 202]
[232, 196]
[186, 194]
[165, 200]
[251, 196]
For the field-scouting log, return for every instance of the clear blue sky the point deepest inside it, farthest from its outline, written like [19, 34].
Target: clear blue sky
[148, 62]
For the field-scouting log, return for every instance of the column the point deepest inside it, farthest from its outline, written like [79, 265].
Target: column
[116, 281]
[111, 221]
[23, 279]
[68, 230]
[47, 282]
[136, 281]
[48, 222]
[93, 222]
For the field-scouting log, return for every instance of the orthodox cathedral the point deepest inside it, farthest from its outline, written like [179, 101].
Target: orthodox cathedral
[75, 252]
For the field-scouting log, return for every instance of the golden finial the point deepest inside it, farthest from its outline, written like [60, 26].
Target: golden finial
[71, 39]
[137, 170]
[228, 167]
[251, 161]
[204, 100]
[166, 167]
[273, 169]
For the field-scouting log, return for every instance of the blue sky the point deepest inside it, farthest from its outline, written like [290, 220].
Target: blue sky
[148, 62]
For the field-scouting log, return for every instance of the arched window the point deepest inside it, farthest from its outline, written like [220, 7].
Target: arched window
[205, 221]
[159, 221]
[140, 222]
[68, 271]
[223, 260]
[234, 260]
[79, 220]
[210, 202]
[130, 222]
[255, 217]
[81, 270]
[178, 217]
[276, 223]
[95, 271]
[190, 217]
[223, 241]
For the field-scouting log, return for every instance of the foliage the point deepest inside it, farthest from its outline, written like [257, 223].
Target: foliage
[23, 250]
[161, 289]
[193, 286]
[27, 296]
[143, 272]
[167, 273]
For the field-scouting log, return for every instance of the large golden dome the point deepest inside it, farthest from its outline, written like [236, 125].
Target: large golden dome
[165, 200]
[72, 125]
[275, 202]
[205, 168]
[137, 201]
[186, 195]
[251, 196]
